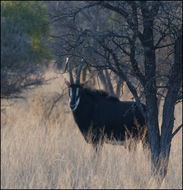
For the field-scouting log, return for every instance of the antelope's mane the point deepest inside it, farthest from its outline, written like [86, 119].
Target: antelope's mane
[100, 94]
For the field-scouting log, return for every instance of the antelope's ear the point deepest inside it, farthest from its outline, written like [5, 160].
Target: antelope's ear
[67, 83]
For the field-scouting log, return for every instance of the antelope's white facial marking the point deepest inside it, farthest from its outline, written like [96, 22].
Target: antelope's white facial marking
[74, 93]
[77, 92]
[70, 92]
[76, 105]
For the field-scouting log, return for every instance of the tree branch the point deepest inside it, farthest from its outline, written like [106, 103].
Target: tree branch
[176, 130]
[124, 77]
[167, 45]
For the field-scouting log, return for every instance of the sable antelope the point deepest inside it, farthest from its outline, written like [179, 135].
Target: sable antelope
[101, 117]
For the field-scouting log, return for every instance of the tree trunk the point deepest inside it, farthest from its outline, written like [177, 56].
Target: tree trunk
[119, 87]
[150, 88]
[106, 81]
[103, 79]
[169, 106]
[109, 84]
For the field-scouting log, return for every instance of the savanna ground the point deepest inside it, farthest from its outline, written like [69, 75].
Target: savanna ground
[44, 149]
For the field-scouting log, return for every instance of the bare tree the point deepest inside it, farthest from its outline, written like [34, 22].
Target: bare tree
[141, 43]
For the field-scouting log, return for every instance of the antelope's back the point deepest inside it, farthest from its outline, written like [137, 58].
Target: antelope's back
[118, 113]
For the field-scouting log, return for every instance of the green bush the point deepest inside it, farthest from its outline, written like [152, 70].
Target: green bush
[24, 33]
[24, 39]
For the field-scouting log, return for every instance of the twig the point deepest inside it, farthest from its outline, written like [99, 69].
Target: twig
[176, 131]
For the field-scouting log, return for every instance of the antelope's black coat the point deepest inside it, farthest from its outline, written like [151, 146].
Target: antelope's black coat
[106, 117]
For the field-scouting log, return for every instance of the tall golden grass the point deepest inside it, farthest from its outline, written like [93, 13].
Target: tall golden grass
[42, 149]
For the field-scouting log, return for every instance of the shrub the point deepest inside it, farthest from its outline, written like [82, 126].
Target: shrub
[24, 41]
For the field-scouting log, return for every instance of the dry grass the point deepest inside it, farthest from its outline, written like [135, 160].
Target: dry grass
[39, 150]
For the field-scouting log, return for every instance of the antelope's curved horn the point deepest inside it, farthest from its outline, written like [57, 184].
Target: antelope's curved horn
[79, 72]
[70, 71]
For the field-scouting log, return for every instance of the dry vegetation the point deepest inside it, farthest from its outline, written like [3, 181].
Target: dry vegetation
[43, 150]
